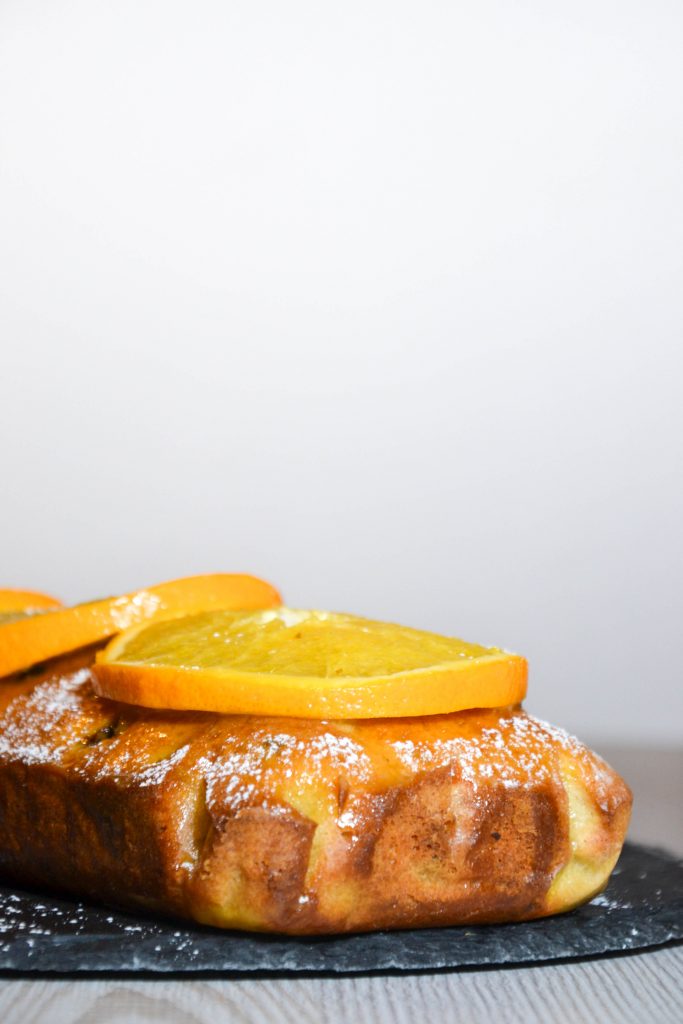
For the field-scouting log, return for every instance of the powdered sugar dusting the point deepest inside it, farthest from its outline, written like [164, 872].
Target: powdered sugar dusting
[512, 749]
[29, 729]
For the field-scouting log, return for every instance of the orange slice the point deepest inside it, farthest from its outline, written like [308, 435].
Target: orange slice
[26, 601]
[308, 664]
[27, 641]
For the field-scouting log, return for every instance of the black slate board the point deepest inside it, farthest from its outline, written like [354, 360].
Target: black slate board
[642, 907]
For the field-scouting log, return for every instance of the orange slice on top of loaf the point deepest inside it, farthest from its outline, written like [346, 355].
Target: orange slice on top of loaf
[18, 604]
[26, 601]
[27, 640]
[310, 664]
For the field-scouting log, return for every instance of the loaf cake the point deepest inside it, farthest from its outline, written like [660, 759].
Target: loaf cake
[296, 825]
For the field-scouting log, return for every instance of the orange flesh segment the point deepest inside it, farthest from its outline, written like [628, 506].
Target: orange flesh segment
[304, 664]
[27, 641]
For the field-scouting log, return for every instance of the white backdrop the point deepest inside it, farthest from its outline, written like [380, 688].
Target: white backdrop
[382, 301]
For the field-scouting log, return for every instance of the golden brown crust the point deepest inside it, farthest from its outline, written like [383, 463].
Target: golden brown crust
[295, 825]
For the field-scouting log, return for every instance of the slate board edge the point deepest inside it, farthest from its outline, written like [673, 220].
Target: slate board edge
[167, 971]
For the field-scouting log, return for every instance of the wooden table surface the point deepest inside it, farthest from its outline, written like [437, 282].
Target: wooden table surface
[638, 988]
